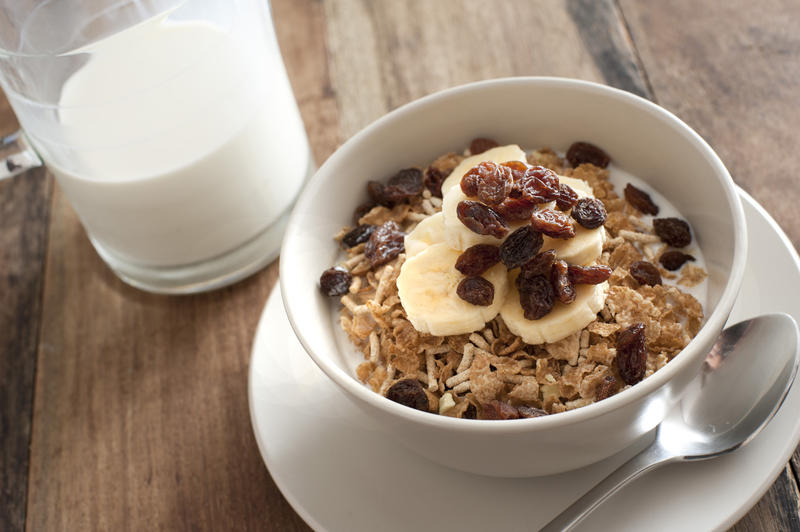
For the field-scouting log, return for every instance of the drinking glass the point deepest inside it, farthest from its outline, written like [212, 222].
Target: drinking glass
[170, 125]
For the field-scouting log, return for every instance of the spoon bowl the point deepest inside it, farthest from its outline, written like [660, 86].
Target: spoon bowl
[742, 384]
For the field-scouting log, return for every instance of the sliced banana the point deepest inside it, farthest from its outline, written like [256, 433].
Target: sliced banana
[428, 232]
[501, 154]
[427, 289]
[562, 321]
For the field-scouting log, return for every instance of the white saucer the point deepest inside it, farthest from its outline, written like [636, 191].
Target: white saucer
[340, 472]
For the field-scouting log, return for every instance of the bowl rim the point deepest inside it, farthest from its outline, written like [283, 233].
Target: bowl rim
[595, 410]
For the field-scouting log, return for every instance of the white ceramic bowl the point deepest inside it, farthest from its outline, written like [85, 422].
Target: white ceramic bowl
[640, 137]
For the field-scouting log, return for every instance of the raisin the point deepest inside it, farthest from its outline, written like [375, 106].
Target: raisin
[640, 199]
[517, 168]
[358, 235]
[589, 274]
[645, 273]
[673, 231]
[541, 264]
[515, 209]
[480, 145]
[674, 259]
[433, 179]
[538, 184]
[476, 291]
[409, 392]
[566, 197]
[554, 224]
[583, 152]
[632, 353]
[520, 247]
[489, 181]
[477, 259]
[494, 188]
[536, 296]
[403, 185]
[606, 388]
[562, 286]
[530, 411]
[361, 210]
[589, 212]
[481, 219]
[335, 281]
[495, 409]
[385, 243]
[470, 413]
[375, 191]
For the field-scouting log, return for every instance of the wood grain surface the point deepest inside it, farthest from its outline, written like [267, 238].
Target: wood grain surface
[121, 410]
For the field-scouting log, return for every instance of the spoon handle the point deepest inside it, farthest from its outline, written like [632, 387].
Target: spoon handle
[650, 458]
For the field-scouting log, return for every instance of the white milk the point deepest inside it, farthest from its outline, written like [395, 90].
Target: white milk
[185, 146]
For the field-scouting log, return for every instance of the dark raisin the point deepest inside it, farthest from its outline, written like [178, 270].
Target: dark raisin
[589, 274]
[470, 413]
[489, 181]
[515, 209]
[358, 235]
[498, 410]
[361, 210]
[520, 247]
[403, 185]
[673, 231]
[385, 243]
[536, 296]
[674, 259]
[538, 184]
[477, 259]
[606, 388]
[541, 264]
[476, 291]
[583, 152]
[632, 353]
[530, 411]
[589, 212]
[375, 191]
[554, 224]
[480, 145]
[518, 169]
[494, 188]
[640, 199]
[433, 179]
[645, 273]
[409, 392]
[566, 197]
[481, 219]
[335, 281]
[562, 286]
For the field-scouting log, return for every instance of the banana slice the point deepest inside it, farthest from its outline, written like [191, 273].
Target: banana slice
[501, 154]
[562, 321]
[428, 232]
[587, 244]
[427, 289]
[456, 234]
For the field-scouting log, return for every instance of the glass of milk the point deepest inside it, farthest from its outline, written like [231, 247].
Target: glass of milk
[170, 125]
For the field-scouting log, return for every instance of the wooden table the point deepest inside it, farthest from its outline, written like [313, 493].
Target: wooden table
[121, 410]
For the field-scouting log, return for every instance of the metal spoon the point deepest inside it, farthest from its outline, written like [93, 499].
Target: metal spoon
[744, 380]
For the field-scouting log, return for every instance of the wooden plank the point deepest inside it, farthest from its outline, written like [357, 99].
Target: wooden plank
[776, 510]
[603, 33]
[418, 47]
[24, 213]
[739, 89]
[730, 70]
[141, 419]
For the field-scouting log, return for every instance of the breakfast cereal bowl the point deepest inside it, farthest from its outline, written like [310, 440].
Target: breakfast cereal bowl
[641, 138]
